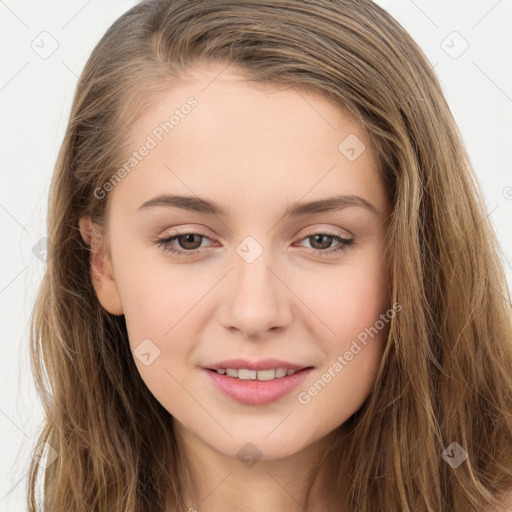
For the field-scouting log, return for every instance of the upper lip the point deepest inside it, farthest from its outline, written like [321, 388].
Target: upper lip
[262, 364]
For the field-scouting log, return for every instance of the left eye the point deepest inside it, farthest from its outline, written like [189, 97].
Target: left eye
[186, 241]
[325, 238]
[190, 244]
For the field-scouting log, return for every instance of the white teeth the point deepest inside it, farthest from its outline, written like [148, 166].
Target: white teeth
[245, 374]
[266, 374]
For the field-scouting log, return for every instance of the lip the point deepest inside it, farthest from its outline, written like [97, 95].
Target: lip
[257, 392]
[262, 364]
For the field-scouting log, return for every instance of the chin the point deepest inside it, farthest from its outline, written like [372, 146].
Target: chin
[247, 447]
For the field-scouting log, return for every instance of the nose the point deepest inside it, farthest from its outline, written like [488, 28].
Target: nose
[256, 298]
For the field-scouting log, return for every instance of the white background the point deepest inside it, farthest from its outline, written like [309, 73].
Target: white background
[35, 100]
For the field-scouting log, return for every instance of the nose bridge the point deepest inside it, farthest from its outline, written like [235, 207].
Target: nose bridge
[257, 299]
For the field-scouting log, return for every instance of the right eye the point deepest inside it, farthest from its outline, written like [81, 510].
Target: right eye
[184, 239]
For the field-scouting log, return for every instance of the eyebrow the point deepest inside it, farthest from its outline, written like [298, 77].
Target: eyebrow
[205, 206]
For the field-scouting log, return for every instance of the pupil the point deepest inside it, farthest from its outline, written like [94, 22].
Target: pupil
[189, 239]
[319, 239]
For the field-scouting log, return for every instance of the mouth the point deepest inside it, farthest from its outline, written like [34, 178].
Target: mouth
[260, 375]
[256, 383]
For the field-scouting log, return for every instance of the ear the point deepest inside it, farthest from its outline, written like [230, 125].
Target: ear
[102, 274]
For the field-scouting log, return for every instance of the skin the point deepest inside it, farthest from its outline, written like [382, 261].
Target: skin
[254, 149]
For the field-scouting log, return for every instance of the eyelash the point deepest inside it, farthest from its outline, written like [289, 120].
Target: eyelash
[165, 243]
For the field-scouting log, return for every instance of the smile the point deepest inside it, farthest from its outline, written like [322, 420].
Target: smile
[251, 387]
[245, 374]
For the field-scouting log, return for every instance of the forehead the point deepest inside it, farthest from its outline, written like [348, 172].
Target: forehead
[249, 138]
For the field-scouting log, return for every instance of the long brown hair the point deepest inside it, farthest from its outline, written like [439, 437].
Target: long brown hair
[446, 374]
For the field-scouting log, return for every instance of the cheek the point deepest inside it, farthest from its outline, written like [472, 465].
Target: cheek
[163, 312]
[349, 297]
[157, 295]
[348, 304]
[160, 319]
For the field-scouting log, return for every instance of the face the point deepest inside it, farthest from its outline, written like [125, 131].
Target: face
[239, 267]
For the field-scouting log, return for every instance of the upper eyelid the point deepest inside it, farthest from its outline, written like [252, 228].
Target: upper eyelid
[315, 230]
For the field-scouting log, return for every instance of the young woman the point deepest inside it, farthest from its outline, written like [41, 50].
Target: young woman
[272, 283]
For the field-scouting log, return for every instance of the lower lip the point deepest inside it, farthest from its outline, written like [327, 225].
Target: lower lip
[257, 392]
